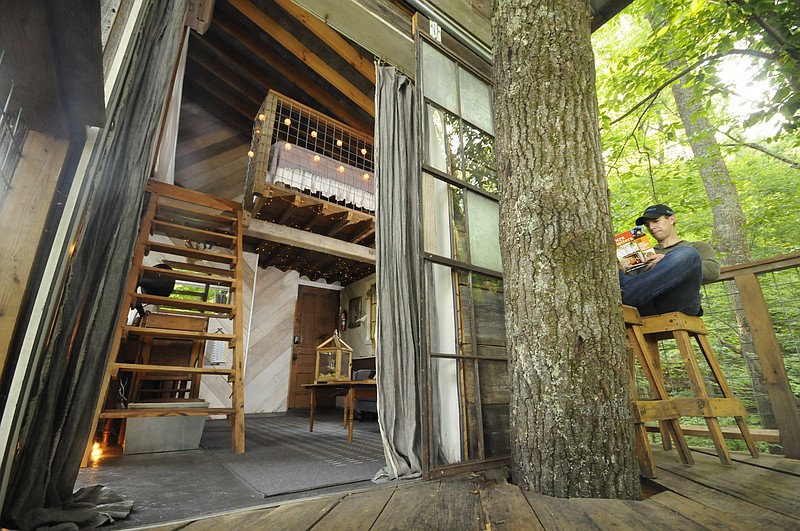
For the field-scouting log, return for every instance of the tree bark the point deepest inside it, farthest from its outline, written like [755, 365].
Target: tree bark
[571, 427]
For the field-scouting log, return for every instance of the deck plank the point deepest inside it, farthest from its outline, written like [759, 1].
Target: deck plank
[700, 516]
[624, 514]
[777, 463]
[358, 510]
[411, 508]
[556, 514]
[760, 486]
[504, 506]
[751, 516]
[458, 505]
[291, 516]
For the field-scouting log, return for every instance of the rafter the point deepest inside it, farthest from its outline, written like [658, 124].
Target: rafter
[332, 38]
[291, 43]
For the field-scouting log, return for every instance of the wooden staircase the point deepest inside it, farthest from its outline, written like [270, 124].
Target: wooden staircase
[203, 247]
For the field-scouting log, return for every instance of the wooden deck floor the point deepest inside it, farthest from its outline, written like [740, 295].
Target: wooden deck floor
[752, 494]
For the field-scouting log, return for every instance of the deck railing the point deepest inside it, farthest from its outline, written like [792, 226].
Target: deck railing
[753, 316]
[12, 130]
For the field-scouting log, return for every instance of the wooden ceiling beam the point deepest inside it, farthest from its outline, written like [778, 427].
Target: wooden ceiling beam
[265, 230]
[292, 44]
[332, 38]
[223, 95]
[208, 60]
[259, 49]
[216, 107]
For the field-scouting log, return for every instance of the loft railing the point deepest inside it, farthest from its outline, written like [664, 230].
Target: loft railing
[753, 316]
[12, 130]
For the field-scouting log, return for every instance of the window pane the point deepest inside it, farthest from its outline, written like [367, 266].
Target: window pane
[479, 163]
[454, 412]
[484, 233]
[436, 149]
[459, 223]
[439, 78]
[495, 408]
[441, 309]
[436, 216]
[490, 325]
[476, 101]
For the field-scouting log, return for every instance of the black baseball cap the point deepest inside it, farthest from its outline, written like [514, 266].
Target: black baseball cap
[654, 212]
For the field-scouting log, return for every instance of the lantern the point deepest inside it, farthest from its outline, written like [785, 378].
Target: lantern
[334, 360]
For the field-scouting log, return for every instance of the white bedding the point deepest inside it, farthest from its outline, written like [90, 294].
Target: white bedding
[304, 169]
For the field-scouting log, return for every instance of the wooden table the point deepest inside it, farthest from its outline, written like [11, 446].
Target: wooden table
[355, 389]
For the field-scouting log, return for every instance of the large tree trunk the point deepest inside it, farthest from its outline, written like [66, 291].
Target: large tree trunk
[730, 236]
[571, 428]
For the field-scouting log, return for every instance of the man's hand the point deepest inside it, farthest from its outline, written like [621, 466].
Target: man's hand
[653, 260]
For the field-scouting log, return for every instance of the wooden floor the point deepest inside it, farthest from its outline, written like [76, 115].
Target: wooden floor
[752, 494]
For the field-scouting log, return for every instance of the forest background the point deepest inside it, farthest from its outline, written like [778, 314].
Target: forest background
[740, 84]
[700, 109]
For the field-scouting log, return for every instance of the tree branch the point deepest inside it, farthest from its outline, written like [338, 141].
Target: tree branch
[762, 149]
[688, 69]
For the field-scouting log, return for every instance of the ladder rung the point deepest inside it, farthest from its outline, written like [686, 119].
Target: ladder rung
[184, 304]
[185, 232]
[170, 209]
[177, 334]
[202, 278]
[141, 367]
[199, 268]
[165, 412]
[190, 253]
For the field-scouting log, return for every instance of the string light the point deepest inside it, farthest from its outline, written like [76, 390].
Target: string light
[251, 154]
[316, 158]
[313, 134]
[340, 169]
[262, 116]
[338, 143]
[288, 146]
[364, 151]
[366, 176]
[288, 121]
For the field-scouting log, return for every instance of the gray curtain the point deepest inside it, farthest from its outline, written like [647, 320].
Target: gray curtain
[398, 274]
[58, 418]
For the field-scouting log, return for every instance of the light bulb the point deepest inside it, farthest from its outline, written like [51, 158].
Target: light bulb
[340, 169]
[288, 146]
[288, 121]
[262, 116]
[316, 158]
[258, 131]
[251, 154]
[364, 151]
[313, 134]
[339, 143]
[366, 176]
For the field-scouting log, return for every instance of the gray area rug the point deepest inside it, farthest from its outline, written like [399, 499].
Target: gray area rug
[283, 457]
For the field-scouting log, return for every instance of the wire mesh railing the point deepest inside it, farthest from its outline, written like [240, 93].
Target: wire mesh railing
[12, 130]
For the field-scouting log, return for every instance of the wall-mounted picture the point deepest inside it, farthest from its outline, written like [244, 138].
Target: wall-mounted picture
[354, 311]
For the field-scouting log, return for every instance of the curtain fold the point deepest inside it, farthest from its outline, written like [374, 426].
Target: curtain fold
[59, 414]
[398, 274]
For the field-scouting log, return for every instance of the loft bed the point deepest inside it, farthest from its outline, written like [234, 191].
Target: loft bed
[297, 150]
[311, 172]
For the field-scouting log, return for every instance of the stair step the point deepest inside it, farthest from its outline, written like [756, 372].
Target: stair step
[166, 412]
[169, 209]
[201, 278]
[167, 333]
[199, 268]
[141, 367]
[184, 304]
[190, 253]
[185, 232]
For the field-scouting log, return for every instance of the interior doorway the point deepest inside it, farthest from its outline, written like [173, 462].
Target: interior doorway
[315, 319]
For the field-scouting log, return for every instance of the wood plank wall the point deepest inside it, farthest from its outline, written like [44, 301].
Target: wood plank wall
[210, 156]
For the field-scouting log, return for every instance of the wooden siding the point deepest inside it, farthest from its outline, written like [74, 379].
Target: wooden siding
[210, 156]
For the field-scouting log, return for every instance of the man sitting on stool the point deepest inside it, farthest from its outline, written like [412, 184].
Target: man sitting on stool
[671, 281]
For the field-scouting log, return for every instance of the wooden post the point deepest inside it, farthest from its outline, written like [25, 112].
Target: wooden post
[784, 404]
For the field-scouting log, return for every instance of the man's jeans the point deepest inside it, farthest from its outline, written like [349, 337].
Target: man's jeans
[671, 285]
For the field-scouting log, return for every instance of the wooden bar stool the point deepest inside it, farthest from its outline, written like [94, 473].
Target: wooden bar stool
[682, 328]
[661, 407]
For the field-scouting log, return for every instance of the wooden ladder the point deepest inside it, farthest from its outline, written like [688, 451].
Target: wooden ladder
[200, 228]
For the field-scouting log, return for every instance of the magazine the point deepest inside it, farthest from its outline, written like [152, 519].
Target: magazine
[633, 249]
